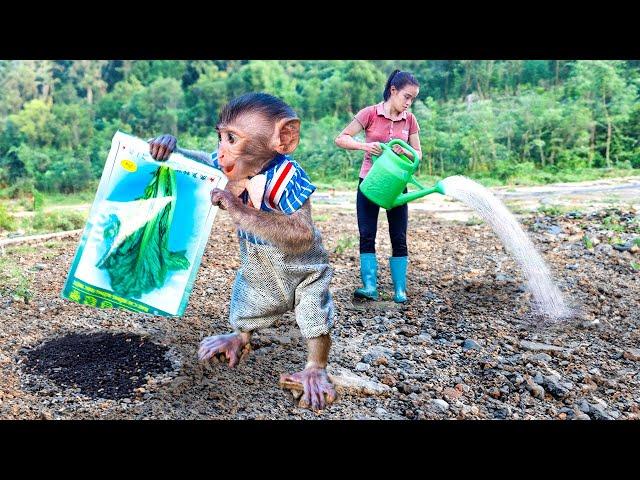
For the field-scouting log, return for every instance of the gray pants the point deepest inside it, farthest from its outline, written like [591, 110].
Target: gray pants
[271, 282]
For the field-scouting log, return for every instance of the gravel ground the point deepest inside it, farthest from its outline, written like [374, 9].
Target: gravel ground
[466, 345]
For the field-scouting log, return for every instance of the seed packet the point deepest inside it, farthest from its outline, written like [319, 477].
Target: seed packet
[147, 229]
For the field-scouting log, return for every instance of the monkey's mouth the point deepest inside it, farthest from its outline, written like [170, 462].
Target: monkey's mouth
[228, 170]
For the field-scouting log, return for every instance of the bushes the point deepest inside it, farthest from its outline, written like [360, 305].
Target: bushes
[7, 222]
[58, 221]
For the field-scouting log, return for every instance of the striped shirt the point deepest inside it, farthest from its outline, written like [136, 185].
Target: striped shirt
[287, 188]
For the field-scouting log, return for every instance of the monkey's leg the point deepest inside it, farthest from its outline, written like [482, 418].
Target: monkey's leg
[313, 380]
[314, 315]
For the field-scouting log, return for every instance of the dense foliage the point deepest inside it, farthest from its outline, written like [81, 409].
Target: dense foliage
[480, 118]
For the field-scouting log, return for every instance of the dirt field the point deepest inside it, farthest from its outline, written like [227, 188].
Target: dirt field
[465, 346]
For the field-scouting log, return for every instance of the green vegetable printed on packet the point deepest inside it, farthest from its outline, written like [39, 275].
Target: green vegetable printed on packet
[147, 229]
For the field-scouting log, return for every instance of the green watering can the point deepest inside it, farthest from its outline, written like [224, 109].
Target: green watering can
[389, 176]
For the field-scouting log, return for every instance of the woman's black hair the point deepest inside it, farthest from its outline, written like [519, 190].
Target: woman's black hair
[398, 79]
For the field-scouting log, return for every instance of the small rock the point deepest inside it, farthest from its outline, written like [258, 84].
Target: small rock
[440, 404]
[501, 277]
[536, 390]
[584, 406]
[389, 380]
[381, 411]
[39, 266]
[408, 388]
[541, 357]
[599, 413]
[348, 382]
[362, 367]
[537, 346]
[470, 344]
[494, 392]
[553, 386]
[632, 354]
[408, 330]
[604, 248]
[623, 247]
[381, 360]
[425, 337]
[452, 394]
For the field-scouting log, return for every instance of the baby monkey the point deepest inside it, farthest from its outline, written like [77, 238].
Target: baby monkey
[284, 265]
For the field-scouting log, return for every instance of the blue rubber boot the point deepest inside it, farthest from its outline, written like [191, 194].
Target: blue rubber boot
[398, 266]
[369, 275]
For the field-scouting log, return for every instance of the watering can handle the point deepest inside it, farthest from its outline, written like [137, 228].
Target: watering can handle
[405, 145]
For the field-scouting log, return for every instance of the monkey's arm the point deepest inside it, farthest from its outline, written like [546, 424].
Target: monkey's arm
[198, 156]
[292, 233]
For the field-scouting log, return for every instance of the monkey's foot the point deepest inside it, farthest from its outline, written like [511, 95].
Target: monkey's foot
[233, 347]
[317, 389]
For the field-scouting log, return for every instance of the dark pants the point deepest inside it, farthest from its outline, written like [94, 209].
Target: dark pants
[368, 225]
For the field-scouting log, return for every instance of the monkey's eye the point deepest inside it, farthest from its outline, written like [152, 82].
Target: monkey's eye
[231, 138]
[219, 137]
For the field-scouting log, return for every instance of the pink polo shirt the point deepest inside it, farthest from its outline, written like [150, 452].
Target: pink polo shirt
[378, 127]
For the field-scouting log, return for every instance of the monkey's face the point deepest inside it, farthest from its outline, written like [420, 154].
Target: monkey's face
[244, 146]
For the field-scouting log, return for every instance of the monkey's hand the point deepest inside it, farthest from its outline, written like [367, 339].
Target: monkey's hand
[233, 347]
[224, 199]
[162, 147]
[318, 390]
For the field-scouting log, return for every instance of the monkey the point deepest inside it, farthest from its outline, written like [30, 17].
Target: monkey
[284, 265]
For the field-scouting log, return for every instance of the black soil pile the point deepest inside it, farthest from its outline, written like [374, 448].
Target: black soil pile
[102, 365]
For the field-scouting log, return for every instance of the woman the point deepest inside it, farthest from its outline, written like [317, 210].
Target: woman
[383, 122]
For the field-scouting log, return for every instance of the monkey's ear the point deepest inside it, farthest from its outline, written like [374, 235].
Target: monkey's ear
[287, 135]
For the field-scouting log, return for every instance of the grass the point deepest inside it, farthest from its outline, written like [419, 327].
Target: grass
[7, 221]
[473, 220]
[53, 244]
[50, 222]
[21, 249]
[61, 199]
[612, 224]
[516, 208]
[635, 266]
[321, 218]
[13, 281]
[345, 243]
[551, 210]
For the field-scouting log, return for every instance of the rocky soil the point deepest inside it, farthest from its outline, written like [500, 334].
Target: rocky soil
[466, 345]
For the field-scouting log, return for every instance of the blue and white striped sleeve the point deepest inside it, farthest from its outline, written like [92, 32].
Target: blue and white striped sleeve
[297, 191]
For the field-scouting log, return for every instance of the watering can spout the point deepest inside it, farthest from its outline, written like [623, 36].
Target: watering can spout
[410, 196]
